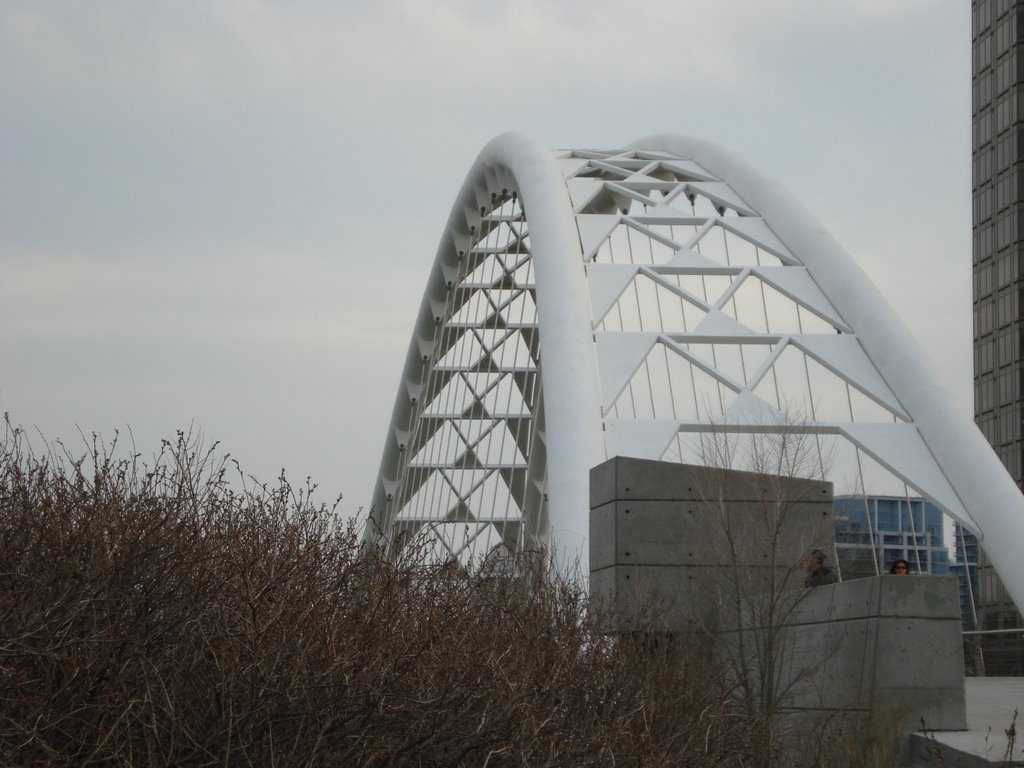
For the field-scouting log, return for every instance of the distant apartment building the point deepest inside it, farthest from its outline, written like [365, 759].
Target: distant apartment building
[997, 70]
[874, 531]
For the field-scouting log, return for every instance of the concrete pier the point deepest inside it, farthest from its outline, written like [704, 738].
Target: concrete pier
[720, 555]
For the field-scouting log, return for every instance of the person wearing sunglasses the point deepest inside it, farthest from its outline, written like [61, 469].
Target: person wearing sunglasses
[900, 568]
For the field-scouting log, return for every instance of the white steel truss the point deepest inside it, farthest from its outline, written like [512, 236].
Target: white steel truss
[588, 304]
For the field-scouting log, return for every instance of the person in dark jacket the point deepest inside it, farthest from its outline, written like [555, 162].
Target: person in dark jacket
[818, 573]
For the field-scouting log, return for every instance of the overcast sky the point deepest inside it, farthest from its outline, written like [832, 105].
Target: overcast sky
[222, 214]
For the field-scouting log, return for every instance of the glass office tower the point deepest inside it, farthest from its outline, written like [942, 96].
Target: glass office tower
[998, 181]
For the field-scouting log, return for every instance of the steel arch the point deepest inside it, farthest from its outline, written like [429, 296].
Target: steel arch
[632, 271]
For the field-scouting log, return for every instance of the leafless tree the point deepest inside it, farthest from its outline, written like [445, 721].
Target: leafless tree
[768, 509]
[170, 613]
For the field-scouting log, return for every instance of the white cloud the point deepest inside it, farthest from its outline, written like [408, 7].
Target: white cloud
[193, 48]
[465, 47]
[226, 211]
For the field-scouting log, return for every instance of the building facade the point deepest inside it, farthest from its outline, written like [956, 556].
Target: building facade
[998, 260]
[874, 531]
[998, 180]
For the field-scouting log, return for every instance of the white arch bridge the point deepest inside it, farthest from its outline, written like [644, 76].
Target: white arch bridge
[588, 304]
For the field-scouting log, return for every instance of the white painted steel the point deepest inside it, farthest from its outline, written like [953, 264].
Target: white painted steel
[991, 501]
[569, 378]
[652, 269]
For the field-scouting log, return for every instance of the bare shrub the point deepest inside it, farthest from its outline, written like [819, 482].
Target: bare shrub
[763, 543]
[159, 615]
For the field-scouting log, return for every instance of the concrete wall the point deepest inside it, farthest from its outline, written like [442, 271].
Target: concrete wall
[670, 541]
[887, 645]
[679, 549]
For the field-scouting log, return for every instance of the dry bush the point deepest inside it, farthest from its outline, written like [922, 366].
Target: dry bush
[159, 615]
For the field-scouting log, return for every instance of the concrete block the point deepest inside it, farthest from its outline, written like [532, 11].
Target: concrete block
[666, 532]
[812, 606]
[800, 651]
[644, 479]
[855, 736]
[673, 546]
[920, 596]
[919, 653]
[641, 479]
[941, 709]
[794, 607]
[757, 531]
[856, 599]
[845, 667]
[602, 589]
[602, 536]
[654, 598]
[656, 533]
[602, 483]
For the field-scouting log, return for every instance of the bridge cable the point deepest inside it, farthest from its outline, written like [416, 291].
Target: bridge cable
[913, 526]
